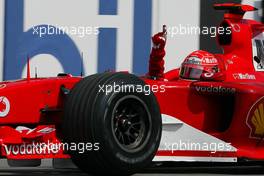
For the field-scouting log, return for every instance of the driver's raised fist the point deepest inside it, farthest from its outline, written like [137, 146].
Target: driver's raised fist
[159, 41]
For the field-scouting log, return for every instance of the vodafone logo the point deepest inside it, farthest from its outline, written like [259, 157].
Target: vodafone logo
[4, 106]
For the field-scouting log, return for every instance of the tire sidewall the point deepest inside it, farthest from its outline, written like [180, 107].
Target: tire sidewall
[110, 147]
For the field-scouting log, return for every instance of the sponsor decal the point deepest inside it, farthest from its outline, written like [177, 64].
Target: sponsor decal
[255, 119]
[4, 106]
[46, 130]
[210, 61]
[201, 61]
[244, 76]
[209, 75]
[193, 60]
[2, 86]
[235, 27]
[214, 89]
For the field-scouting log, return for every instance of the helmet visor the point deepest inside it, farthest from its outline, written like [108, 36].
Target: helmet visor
[188, 72]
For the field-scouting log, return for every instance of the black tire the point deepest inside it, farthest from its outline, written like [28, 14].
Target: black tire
[94, 116]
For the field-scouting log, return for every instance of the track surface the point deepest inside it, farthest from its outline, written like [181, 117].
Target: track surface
[176, 171]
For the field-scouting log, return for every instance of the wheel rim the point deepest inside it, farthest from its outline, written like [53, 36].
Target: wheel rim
[131, 123]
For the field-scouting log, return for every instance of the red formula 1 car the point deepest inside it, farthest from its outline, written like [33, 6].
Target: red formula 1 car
[209, 110]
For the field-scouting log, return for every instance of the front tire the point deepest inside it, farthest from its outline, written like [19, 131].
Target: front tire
[126, 125]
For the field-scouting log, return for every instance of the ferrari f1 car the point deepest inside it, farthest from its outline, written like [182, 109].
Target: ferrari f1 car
[209, 110]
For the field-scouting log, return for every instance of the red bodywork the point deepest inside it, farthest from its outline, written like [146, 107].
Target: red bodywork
[37, 104]
[229, 106]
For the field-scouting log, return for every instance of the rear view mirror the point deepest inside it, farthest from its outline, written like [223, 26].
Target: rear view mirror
[256, 59]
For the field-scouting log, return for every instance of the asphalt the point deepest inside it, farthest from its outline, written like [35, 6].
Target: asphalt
[164, 170]
[176, 171]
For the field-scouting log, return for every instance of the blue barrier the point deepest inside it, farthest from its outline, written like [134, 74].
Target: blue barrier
[18, 43]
